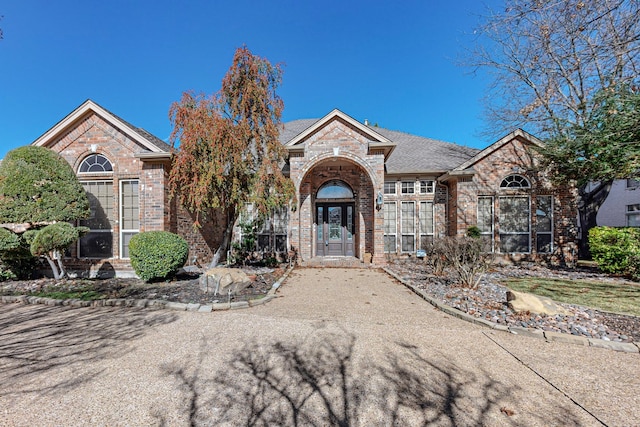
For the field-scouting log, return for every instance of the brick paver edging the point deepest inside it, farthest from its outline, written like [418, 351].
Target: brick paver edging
[148, 303]
[536, 333]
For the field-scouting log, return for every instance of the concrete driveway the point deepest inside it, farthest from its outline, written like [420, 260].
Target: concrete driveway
[338, 347]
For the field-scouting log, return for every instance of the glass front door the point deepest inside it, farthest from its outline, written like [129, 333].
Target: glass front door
[334, 229]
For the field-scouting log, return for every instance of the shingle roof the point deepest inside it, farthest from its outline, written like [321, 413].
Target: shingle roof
[142, 132]
[412, 154]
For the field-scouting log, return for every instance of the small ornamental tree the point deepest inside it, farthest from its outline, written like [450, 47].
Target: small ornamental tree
[51, 241]
[228, 150]
[38, 188]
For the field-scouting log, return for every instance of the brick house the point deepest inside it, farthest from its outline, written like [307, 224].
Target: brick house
[362, 192]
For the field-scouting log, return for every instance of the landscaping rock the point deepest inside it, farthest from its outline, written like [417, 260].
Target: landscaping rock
[523, 302]
[221, 281]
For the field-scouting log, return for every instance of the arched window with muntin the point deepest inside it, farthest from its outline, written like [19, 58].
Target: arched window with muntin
[515, 181]
[95, 163]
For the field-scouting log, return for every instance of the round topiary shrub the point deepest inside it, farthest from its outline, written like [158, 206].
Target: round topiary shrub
[157, 254]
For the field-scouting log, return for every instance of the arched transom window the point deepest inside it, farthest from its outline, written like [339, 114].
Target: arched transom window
[95, 163]
[515, 181]
[335, 190]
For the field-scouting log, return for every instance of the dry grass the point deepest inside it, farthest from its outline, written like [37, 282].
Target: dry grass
[623, 298]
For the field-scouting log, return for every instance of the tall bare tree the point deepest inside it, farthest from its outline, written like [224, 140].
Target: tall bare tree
[549, 59]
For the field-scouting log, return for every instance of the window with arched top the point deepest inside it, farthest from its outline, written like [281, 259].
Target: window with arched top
[335, 190]
[515, 181]
[95, 163]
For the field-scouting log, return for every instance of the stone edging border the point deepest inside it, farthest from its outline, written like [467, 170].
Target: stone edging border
[529, 332]
[148, 303]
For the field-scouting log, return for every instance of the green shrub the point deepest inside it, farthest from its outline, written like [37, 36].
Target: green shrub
[474, 232]
[16, 261]
[616, 250]
[157, 254]
[37, 185]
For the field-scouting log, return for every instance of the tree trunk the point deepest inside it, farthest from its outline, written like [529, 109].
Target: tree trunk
[226, 238]
[54, 267]
[588, 207]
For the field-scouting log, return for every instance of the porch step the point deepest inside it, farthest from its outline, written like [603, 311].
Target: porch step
[334, 261]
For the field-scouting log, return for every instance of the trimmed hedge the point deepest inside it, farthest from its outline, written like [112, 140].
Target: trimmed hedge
[157, 254]
[616, 250]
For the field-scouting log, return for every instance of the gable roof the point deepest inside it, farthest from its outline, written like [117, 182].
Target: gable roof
[411, 153]
[372, 135]
[518, 133]
[150, 142]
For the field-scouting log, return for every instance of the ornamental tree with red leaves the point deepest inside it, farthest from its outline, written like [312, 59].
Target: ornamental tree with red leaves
[228, 152]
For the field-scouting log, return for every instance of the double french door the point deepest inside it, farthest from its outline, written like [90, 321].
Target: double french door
[335, 225]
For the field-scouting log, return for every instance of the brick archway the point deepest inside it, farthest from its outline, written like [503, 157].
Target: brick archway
[359, 214]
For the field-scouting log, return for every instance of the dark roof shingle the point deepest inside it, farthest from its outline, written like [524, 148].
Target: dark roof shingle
[412, 154]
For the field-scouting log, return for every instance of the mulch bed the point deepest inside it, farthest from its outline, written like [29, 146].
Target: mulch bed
[183, 288]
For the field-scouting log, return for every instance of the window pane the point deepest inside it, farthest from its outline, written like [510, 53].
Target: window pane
[426, 217]
[514, 214]
[96, 245]
[485, 214]
[543, 243]
[349, 222]
[514, 243]
[390, 243]
[408, 187]
[543, 214]
[335, 190]
[408, 243]
[389, 217]
[126, 238]
[100, 195]
[426, 186]
[280, 217]
[319, 222]
[408, 217]
[130, 206]
[390, 187]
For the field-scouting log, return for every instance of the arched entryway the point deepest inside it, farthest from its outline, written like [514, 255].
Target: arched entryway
[335, 220]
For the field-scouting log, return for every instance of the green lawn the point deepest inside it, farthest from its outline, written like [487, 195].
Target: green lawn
[612, 297]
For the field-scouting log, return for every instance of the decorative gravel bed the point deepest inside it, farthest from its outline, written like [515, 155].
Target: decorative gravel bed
[183, 288]
[489, 301]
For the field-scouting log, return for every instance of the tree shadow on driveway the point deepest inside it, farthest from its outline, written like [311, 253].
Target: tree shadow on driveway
[51, 349]
[324, 381]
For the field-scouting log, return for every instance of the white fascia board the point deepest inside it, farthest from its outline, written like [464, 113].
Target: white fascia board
[79, 112]
[332, 115]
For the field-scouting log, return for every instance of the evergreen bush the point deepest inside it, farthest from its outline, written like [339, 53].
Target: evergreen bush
[616, 250]
[16, 261]
[157, 254]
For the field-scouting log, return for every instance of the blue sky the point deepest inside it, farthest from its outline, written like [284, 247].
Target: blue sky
[391, 62]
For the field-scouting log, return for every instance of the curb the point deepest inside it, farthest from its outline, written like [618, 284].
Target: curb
[147, 303]
[529, 332]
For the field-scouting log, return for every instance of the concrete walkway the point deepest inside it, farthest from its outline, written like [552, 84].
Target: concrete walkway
[337, 347]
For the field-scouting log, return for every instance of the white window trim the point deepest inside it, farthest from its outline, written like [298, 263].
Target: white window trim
[394, 186]
[490, 233]
[395, 224]
[412, 186]
[631, 213]
[516, 233]
[106, 181]
[121, 216]
[402, 233]
[433, 186]
[98, 172]
[550, 232]
[433, 222]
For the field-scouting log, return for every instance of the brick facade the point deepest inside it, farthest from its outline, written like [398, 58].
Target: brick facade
[335, 148]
